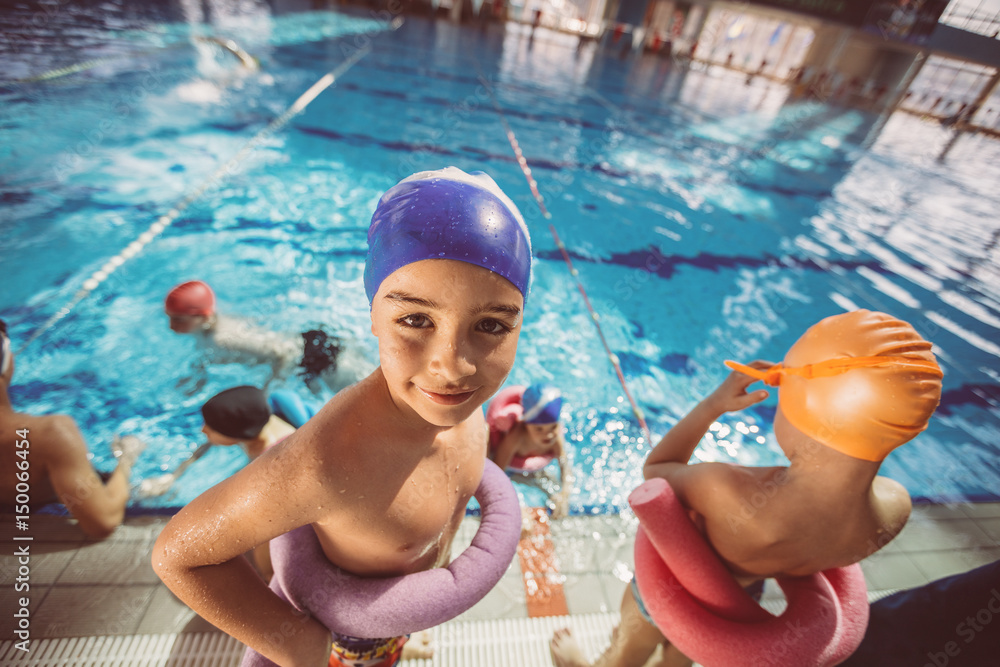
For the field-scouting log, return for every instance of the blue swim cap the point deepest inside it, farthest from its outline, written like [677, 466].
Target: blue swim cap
[447, 214]
[541, 404]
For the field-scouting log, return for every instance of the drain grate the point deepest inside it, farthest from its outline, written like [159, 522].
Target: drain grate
[514, 642]
[210, 649]
[510, 642]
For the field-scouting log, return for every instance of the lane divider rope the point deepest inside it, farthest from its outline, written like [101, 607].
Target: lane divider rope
[164, 221]
[594, 317]
[228, 45]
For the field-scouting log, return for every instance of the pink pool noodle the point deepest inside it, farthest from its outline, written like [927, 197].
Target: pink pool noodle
[502, 414]
[700, 608]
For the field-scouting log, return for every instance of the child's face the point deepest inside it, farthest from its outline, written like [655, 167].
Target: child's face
[186, 323]
[543, 435]
[217, 438]
[447, 334]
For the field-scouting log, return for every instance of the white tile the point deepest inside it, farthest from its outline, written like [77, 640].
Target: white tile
[892, 571]
[937, 535]
[111, 563]
[990, 526]
[939, 511]
[46, 561]
[938, 564]
[505, 600]
[772, 591]
[168, 615]
[585, 595]
[982, 510]
[73, 611]
[11, 603]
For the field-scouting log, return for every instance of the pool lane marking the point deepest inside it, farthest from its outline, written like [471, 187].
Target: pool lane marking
[594, 317]
[227, 45]
[164, 221]
[543, 587]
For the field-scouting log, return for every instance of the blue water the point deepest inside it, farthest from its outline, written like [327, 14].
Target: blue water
[708, 218]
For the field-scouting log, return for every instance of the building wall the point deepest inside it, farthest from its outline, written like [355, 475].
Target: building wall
[631, 12]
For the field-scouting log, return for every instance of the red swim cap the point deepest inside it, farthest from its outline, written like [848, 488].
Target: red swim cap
[190, 298]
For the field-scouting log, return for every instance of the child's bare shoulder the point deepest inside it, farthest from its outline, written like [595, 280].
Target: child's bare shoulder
[357, 406]
[718, 491]
[892, 505]
[725, 480]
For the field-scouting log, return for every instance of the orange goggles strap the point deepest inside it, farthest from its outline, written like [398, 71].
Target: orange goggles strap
[772, 376]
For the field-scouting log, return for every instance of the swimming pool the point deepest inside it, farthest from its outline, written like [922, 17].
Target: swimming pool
[708, 218]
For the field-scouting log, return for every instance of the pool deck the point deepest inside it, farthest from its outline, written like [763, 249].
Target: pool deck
[86, 588]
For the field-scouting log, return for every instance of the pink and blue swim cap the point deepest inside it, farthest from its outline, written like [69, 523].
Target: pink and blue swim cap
[448, 214]
[541, 404]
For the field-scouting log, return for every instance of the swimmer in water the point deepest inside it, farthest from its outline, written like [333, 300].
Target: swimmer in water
[384, 471]
[526, 434]
[854, 387]
[237, 416]
[59, 463]
[318, 355]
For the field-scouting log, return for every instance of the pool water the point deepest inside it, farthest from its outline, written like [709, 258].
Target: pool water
[708, 217]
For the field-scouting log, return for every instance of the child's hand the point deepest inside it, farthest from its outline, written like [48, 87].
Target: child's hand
[560, 505]
[156, 486]
[127, 448]
[732, 394]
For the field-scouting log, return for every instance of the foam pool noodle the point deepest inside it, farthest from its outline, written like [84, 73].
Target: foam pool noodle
[698, 605]
[382, 607]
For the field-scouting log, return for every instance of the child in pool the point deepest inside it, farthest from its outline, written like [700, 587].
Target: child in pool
[59, 469]
[853, 388]
[336, 361]
[237, 416]
[384, 471]
[524, 425]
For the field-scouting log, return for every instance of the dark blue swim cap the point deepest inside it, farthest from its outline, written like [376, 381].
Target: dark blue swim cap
[541, 404]
[238, 412]
[448, 214]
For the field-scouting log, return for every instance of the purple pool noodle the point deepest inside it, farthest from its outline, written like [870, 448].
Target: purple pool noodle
[395, 606]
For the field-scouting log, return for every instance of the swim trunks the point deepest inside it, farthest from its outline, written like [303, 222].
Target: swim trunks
[360, 652]
[319, 355]
[754, 590]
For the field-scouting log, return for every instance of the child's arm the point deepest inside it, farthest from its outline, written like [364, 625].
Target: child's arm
[157, 486]
[565, 479]
[199, 555]
[675, 449]
[504, 451]
[193, 383]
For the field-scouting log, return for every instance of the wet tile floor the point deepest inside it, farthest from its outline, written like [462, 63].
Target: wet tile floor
[85, 588]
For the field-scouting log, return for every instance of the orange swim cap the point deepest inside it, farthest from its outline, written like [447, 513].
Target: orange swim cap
[191, 298]
[862, 383]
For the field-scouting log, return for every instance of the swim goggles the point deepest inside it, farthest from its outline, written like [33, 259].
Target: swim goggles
[831, 367]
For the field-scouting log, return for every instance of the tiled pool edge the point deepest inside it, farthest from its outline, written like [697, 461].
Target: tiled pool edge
[81, 588]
